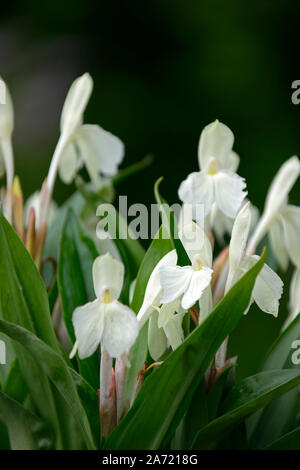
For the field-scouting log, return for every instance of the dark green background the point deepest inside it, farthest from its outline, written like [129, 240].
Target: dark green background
[162, 69]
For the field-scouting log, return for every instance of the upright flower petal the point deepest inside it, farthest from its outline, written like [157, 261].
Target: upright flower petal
[216, 141]
[121, 328]
[237, 247]
[291, 228]
[199, 281]
[88, 322]
[153, 293]
[75, 103]
[278, 245]
[108, 273]
[281, 186]
[198, 188]
[195, 242]
[229, 190]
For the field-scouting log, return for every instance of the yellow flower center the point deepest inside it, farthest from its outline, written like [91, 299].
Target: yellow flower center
[198, 264]
[212, 167]
[106, 296]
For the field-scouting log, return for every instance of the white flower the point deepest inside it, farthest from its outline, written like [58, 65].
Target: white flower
[216, 182]
[89, 145]
[280, 219]
[190, 282]
[153, 292]
[165, 328]
[105, 320]
[268, 285]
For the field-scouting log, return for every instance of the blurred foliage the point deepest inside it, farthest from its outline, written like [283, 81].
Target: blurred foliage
[162, 70]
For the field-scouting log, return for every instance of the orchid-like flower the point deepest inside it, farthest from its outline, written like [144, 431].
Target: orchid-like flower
[268, 286]
[280, 219]
[89, 145]
[216, 182]
[105, 320]
[190, 282]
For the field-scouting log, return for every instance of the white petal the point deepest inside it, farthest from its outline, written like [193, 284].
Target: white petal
[278, 245]
[88, 156]
[195, 242]
[68, 163]
[205, 303]
[294, 302]
[33, 201]
[108, 273]
[88, 322]
[291, 228]
[157, 341]
[152, 297]
[6, 111]
[216, 141]
[267, 288]
[75, 103]
[174, 332]
[174, 281]
[229, 189]
[198, 189]
[220, 223]
[167, 311]
[120, 330]
[107, 148]
[239, 237]
[198, 283]
[232, 162]
[281, 185]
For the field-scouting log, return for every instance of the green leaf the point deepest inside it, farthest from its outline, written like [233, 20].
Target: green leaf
[15, 386]
[166, 394]
[243, 399]
[290, 441]
[76, 256]
[26, 431]
[159, 247]
[54, 366]
[269, 424]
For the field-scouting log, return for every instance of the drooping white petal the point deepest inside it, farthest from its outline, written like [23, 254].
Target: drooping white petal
[239, 237]
[68, 163]
[291, 228]
[173, 331]
[88, 322]
[281, 186]
[6, 111]
[167, 311]
[278, 245]
[199, 281]
[232, 162]
[205, 303]
[152, 297]
[106, 147]
[229, 192]
[108, 273]
[88, 156]
[157, 341]
[267, 288]
[220, 223]
[216, 141]
[75, 103]
[198, 188]
[174, 281]
[120, 330]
